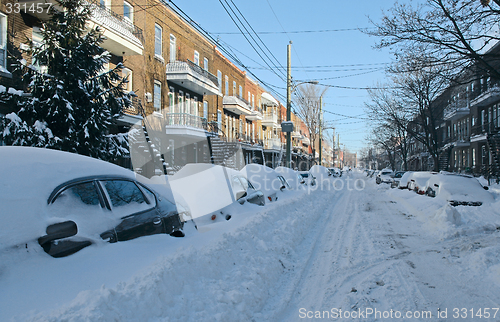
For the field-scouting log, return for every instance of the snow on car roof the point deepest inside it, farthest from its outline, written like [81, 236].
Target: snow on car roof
[204, 191]
[29, 175]
[459, 188]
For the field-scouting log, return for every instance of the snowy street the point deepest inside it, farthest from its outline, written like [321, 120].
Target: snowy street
[359, 251]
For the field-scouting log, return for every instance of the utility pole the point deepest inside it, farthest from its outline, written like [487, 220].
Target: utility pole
[288, 162]
[320, 134]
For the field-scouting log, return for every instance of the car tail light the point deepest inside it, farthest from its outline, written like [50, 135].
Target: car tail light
[270, 199]
[214, 216]
[420, 192]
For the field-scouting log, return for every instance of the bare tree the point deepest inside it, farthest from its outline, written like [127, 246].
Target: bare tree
[308, 110]
[451, 33]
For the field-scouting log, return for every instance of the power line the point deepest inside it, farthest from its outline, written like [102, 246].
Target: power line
[294, 32]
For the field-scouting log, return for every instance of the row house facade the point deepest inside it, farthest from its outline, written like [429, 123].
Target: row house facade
[468, 130]
[191, 104]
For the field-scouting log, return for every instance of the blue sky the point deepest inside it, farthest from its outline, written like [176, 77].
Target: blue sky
[318, 51]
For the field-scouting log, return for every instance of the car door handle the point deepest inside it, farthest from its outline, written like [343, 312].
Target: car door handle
[157, 221]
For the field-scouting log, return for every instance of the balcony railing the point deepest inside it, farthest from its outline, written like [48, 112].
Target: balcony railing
[184, 119]
[486, 93]
[116, 21]
[270, 118]
[456, 109]
[134, 108]
[180, 66]
[273, 143]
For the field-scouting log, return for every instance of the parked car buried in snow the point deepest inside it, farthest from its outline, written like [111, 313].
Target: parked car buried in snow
[66, 202]
[211, 191]
[458, 190]
[384, 176]
[265, 179]
[417, 181]
[294, 179]
[308, 177]
[396, 177]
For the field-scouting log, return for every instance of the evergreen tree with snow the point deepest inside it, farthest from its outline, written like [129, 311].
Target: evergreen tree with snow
[69, 104]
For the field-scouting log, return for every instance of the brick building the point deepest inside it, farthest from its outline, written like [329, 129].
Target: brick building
[191, 104]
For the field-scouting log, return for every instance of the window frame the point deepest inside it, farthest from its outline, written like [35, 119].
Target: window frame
[158, 42]
[157, 84]
[131, 12]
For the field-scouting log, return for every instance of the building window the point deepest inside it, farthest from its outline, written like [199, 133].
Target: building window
[241, 92]
[158, 41]
[173, 49]
[127, 74]
[253, 101]
[219, 79]
[157, 96]
[3, 46]
[180, 100]
[226, 83]
[37, 42]
[205, 63]
[197, 58]
[128, 11]
[205, 109]
[234, 88]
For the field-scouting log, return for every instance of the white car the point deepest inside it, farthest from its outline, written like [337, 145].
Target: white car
[417, 181]
[265, 179]
[458, 190]
[384, 176]
[405, 179]
[210, 191]
[335, 172]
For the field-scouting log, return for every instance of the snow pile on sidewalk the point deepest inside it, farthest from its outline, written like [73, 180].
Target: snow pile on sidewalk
[445, 221]
[219, 275]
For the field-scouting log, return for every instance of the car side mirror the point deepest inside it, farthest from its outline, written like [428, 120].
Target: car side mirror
[58, 231]
[282, 188]
[486, 188]
[240, 194]
[436, 185]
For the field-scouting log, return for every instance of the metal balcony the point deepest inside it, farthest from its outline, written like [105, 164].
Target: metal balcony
[270, 119]
[185, 124]
[456, 110]
[236, 105]
[121, 36]
[488, 94]
[191, 76]
[256, 115]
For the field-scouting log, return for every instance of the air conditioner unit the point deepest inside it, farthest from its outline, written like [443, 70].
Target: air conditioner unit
[149, 97]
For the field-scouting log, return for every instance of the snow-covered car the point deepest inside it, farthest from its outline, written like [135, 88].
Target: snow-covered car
[211, 191]
[320, 172]
[396, 178]
[335, 172]
[403, 181]
[458, 190]
[65, 202]
[308, 177]
[265, 179]
[417, 181]
[294, 179]
[384, 176]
